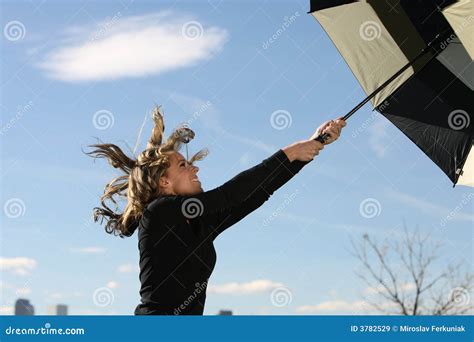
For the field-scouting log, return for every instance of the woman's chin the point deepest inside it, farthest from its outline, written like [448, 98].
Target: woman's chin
[197, 189]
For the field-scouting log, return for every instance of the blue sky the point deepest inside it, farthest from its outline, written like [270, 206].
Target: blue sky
[250, 78]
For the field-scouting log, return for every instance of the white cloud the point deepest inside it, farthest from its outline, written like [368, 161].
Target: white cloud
[256, 286]
[6, 310]
[335, 307]
[133, 46]
[88, 250]
[128, 268]
[431, 208]
[19, 265]
[112, 284]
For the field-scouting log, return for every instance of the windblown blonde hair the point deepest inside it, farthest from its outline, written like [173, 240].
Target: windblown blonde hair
[140, 182]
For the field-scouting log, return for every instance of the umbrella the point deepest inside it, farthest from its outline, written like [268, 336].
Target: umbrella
[413, 59]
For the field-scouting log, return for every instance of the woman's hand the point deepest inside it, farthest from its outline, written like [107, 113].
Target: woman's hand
[304, 150]
[333, 128]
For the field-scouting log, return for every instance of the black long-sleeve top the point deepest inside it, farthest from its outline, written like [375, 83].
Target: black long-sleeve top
[176, 234]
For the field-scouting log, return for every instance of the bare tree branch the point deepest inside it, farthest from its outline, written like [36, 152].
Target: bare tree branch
[434, 291]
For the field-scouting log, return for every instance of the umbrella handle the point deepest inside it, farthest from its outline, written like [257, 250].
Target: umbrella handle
[322, 137]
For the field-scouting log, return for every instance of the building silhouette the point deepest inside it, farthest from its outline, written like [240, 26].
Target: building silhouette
[58, 310]
[23, 307]
[225, 312]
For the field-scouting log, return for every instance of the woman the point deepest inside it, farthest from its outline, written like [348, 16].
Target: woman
[177, 221]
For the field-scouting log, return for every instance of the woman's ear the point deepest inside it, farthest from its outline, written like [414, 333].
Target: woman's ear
[164, 183]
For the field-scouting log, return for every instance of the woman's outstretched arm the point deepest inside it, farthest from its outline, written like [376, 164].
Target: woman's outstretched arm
[230, 202]
[221, 220]
[298, 155]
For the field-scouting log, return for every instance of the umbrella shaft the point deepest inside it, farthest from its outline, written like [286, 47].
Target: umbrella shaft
[322, 138]
[398, 73]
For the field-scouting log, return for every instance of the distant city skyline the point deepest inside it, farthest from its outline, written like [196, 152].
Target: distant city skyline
[23, 307]
[58, 309]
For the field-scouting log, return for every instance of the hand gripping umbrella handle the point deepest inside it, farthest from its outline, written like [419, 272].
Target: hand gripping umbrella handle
[322, 137]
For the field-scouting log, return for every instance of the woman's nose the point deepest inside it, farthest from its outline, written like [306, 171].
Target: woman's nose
[193, 168]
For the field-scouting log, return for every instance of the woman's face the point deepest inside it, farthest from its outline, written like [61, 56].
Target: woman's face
[180, 178]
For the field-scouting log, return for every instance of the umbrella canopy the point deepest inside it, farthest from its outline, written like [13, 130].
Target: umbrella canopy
[431, 101]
